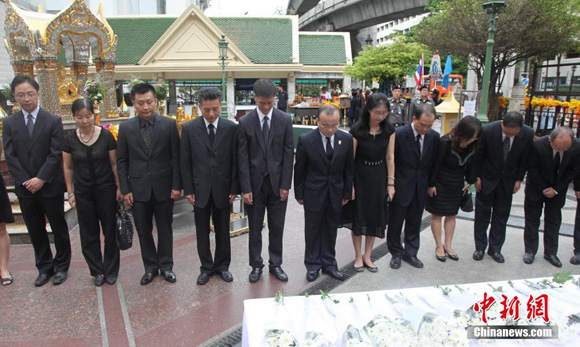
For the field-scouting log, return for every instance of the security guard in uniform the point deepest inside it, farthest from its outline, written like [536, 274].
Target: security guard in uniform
[398, 115]
[422, 99]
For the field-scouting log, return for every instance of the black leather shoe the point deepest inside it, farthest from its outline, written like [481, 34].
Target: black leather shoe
[477, 255]
[575, 260]
[59, 277]
[441, 258]
[497, 257]
[413, 261]
[111, 279]
[169, 276]
[311, 276]
[148, 277]
[42, 279]
[336, 274]
[226, 276]
[99, 280]
[451, 256]
[279, 273]
[529, 258]
[395, 262]
[553, 260]
[255, 274]
[371, 268]
[203, 278]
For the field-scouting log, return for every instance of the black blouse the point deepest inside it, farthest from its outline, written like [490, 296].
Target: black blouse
[458, 160]
[92, 166]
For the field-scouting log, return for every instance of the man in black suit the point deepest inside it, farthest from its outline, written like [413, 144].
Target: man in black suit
[265, 157]
[553, 164]
[503, 152]
[209, 173]
[323, 177]
[282, 99]
[32, 147]
[416, 146]
[150, 179]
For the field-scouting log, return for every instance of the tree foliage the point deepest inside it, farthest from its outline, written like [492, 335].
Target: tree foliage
[389, 63]
[525, 29]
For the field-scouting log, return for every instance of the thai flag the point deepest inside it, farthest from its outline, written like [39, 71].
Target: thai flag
[419, 73]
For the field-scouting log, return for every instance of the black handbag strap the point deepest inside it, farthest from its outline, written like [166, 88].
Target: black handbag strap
[121, 206]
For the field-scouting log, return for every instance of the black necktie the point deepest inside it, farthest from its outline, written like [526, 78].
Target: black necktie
[211, 133]
[506, 148]
[147, 135]
[266, 129]
[329, 149]
[556, 166]
[418, 141]
[30, 124]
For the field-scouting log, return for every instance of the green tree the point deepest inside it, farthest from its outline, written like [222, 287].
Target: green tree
[525, 29]
[389, 63]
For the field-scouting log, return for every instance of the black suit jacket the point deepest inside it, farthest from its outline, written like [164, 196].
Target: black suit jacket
[490, 166]
[207, 169]
[412, 169]
[253, 153]
[143, 171]
[541, 168]
[39, 156]
[315, 177]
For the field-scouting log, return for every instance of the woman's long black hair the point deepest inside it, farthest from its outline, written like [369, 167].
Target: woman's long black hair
[362, 127]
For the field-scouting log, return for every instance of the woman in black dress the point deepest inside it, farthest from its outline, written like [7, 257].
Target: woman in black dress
[453, 167]
[374, 148]
[90, 168]
[5, 217]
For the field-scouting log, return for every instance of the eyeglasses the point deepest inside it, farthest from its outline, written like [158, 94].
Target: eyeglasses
[380, 113]
[329, 126]
[24, 95]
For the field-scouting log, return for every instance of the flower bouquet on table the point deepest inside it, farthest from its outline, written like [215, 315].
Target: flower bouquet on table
[161, 90]
[438, 331]
[352, 337]
[384, 331]
[279, 338]
[114, 129]
[314, 338]
[95, 91]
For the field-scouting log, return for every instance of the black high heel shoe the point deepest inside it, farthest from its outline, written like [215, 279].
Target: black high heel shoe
[370, 268]
[441, 258]
[451, 256]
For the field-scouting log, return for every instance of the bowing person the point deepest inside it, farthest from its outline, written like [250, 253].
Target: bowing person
[323, 177]
[416, 147]
[554, 163]
[209, 175]
[500, 167]
[33, 151]
[265, 157]
[150, 179]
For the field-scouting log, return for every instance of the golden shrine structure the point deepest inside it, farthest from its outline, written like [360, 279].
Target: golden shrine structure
[40, 43]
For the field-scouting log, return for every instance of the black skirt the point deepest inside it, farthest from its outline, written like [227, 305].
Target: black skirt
[6, 215]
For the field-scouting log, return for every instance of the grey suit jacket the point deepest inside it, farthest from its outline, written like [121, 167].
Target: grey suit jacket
[155, 171]
[37, 156]
[257, 159]
[209, 169]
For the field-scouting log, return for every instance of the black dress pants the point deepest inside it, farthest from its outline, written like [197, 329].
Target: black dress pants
[266, 199]
[577, 229]
[96, 209]
[160, 257]
[34, 211]
[411, 215]
[552, 221]
[221, 223]
[320, 236]
[497, 206]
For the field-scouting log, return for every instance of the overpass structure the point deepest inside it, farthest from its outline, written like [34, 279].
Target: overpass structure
[300, 7]
[353, 15]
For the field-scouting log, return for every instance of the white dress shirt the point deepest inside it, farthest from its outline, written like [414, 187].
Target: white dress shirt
[261, 115]
[215, 124]
[415, 133]
[324, 141]
[33, 113]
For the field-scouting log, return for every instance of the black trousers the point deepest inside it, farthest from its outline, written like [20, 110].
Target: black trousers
[552, 221]
[162, 256]
[411, 215]
[221, 223]
[98, 205]
[34, 211]
[577, 229]
[320, 236]
[266, 199]
[497, 206]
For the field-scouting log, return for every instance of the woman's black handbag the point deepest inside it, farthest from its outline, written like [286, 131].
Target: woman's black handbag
[124, 227]
[467, 202]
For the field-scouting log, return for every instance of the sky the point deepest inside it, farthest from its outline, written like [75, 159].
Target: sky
[240, 7]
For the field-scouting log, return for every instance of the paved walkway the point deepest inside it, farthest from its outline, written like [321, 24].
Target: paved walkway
[185, 314]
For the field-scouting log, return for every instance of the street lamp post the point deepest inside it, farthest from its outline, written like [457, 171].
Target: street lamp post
[493, 8]
[369, 40]
[571, 81]
[223, 45]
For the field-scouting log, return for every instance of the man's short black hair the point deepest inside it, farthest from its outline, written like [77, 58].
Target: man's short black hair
[208, 94]
[424, 109]
[264, 88]
[513, 119]
[142, 88]
[20, 79]
[424, 86]
[328, 110]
